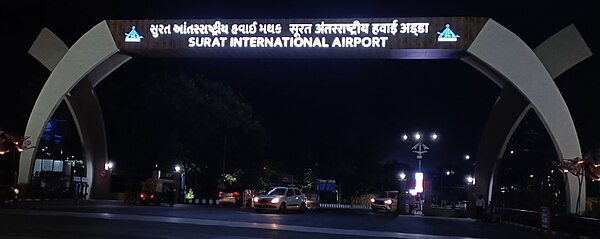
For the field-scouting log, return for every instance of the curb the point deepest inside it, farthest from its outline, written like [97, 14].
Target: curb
[546, 231]
[37, 199]
[203, 201]
[343, 206]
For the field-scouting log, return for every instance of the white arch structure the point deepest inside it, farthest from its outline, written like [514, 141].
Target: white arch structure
[526, 79]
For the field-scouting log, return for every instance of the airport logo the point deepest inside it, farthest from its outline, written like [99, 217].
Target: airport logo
[133, 36]
[447, 35]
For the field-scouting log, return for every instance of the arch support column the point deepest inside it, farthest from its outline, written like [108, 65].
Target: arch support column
[500, 54]
[92, 57]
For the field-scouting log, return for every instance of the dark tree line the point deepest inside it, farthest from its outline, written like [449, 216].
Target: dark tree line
[156, 115]
[168, 118]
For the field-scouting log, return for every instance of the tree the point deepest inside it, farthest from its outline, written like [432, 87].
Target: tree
[592, 171]
[588, 166]
[592, 164]
[10, 143]
[575, 166]
[181, 118]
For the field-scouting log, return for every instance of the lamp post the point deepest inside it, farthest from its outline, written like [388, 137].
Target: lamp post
[420, 148]
[401, 196]
[178, 179]
[448, 172]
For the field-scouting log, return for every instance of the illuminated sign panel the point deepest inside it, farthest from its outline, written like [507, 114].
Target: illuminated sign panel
[284, 38]
[419, 182]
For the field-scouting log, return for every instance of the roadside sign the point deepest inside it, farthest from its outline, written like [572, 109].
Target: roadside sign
[545, 217]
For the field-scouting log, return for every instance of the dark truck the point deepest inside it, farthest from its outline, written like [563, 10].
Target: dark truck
[157, 191]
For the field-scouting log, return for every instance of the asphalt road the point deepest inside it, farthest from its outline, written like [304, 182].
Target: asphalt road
[114, 219]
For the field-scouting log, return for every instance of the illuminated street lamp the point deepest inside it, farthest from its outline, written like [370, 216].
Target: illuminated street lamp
[109, 166]
[400, 196]
[471, 180]
[420, 148]
[177, 168]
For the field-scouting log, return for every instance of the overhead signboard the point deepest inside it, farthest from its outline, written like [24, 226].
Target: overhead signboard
[419, 37]
[326, 185]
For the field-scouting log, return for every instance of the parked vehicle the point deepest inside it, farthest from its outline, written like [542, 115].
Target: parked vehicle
[386, 201]
[230, 197]
[157, 191]
[8, 194]
[281, 199]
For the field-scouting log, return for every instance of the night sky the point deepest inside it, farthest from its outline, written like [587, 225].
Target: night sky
[308, 103]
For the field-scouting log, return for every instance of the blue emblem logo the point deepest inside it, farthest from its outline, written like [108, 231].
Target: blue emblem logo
[133, 36]
[447, 35]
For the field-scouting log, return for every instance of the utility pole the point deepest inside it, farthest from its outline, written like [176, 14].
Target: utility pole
[224, 152]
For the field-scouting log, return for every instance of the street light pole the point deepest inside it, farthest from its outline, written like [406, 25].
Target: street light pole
[224, 152]
[420, 148]
[401, 196]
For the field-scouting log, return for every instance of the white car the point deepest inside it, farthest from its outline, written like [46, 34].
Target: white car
[281, 199]
[385, 201]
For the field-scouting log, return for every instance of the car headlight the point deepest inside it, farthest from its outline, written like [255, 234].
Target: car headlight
[389, 201]
[373, 200]
[275, 200]
[255, 199]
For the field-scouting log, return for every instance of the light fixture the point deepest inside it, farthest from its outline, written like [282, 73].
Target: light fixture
[109, 166]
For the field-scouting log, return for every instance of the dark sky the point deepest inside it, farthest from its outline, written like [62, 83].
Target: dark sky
[349, 103]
